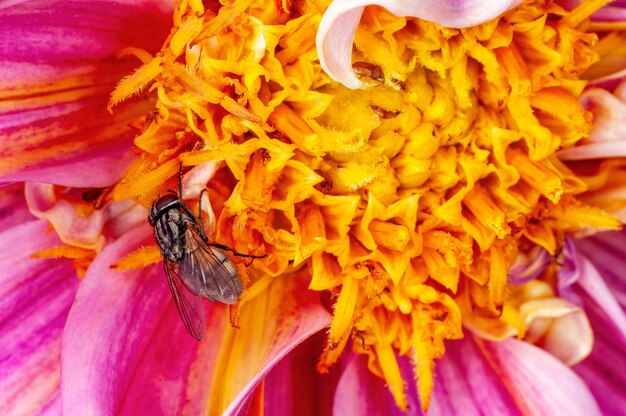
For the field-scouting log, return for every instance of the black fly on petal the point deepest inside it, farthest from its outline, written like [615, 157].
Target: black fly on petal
[194, 268]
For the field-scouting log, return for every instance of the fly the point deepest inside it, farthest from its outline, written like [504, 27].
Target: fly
[194, 268]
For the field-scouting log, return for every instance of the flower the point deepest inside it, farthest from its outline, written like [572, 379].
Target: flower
[422, 210]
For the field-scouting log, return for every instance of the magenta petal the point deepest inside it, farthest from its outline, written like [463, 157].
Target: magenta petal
[294, 387]
[465, 384]
[58, 31]
[539, 383]
[13, 208]
[125, 349]
[528, 266]
[603, 370]
[600, 262]
[340, 21]
[97, 167]
[361, 393]
[288, 323]
[35, 298]
[60, 66]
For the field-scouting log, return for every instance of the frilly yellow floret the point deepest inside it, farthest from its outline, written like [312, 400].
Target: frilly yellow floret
[408, 201]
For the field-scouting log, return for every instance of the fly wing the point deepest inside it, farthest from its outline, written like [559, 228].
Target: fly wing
[190, 306]
[208, 272]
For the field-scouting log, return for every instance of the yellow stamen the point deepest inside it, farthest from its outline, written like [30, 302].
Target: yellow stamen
[392, 375]
[343, 312]
[134, 83]
[537, 175]
[139, 258]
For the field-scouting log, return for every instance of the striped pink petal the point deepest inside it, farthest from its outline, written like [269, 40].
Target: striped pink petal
[338, 27]
[127, 351]
[13, 210]
[599, 262]
[538, 382]
[59, 66]
[474, 378]
[603, 370]
[292, 315]
[294, 387]
[35, 298]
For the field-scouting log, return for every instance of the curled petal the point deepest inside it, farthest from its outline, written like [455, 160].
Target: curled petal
[608, 138]
[122, 216]
[558, 327]
[35, 298]
[528, 266]
[588, 280]
[197, 178]
[195, 181]
[339, 24]
[72, 227]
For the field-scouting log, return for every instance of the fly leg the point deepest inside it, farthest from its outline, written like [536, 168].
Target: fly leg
[200, 224]
[180, 184]
[226, 248]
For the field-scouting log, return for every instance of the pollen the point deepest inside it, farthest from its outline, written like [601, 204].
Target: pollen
[408, 201]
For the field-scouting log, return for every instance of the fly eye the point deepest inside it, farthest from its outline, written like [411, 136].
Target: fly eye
[164, 202]
[160, 206]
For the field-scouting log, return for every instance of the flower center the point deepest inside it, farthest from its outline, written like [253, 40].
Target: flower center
[408, 201]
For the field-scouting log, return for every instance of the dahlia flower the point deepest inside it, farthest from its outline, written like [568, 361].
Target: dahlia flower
[435, 189]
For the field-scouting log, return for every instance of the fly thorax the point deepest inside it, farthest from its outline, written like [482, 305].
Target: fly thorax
[169, 232]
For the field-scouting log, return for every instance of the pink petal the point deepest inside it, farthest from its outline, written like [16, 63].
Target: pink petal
[599, 269]
[60, 67]
[468, 384]
[35, 298]
[612, 13]
[13, 208]
[608, 138]
[497, 378]
[296, 317]
[465, 384]
[539, 383]
[340, 21]
[294, 387]
[361, 393]
[528, 266]
[125, 349]
[603, 370]
[609, 82]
